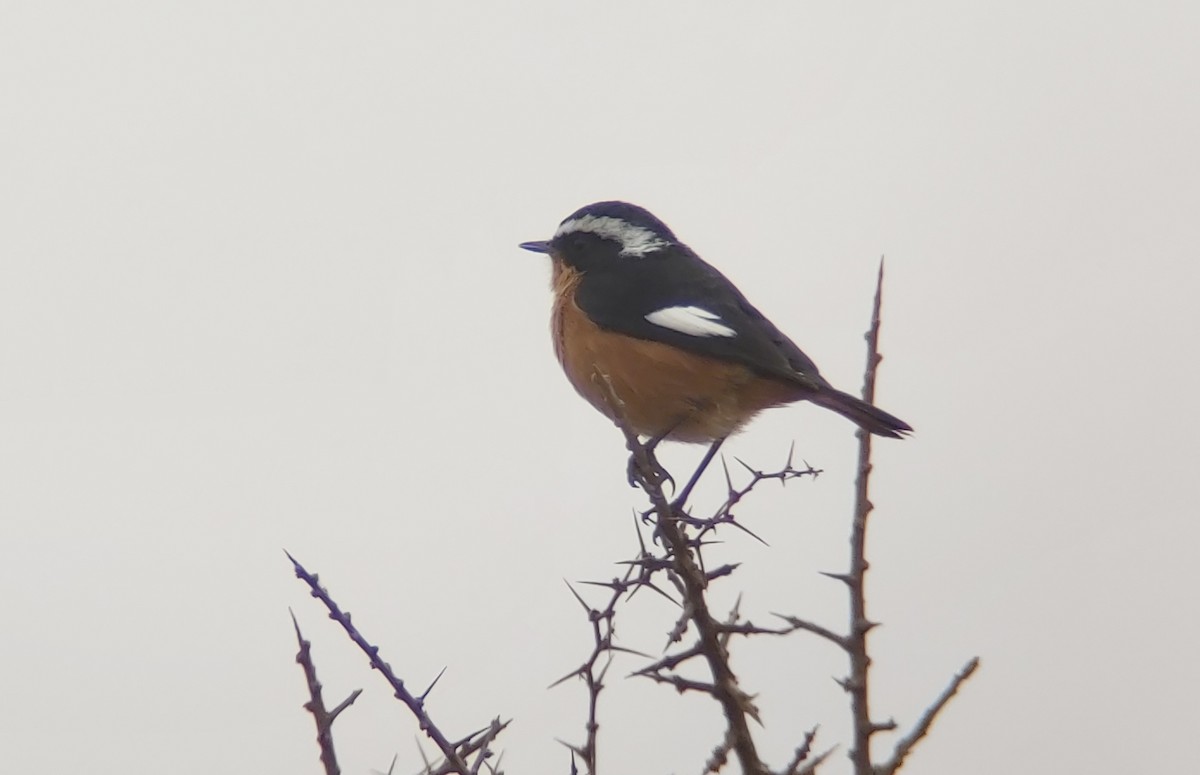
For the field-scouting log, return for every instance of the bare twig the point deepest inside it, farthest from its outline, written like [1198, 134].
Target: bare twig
[595, 667]
[905, 745]
[482, 746]
[856, 684]
[855, 642]
[592, 671]
[456, 752]
[724, 513]
[811, 765]
[670, 661]
[785, 474]
[795, 623]
[802, 752]
[682, 684]
[801, 763]
[720, 755]
[316, 703]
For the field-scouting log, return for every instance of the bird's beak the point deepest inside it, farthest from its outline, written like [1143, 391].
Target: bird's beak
[540, 246]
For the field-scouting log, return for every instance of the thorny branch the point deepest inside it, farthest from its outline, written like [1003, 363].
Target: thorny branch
[855, 643]
[323, 717]
[855, 580]
[641, 572]
[456, 753]
[735, 703]
[595, 668]
[671, 522]
[909, 741]
[724, 514]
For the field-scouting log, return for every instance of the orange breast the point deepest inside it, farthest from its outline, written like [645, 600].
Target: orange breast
[686, 396]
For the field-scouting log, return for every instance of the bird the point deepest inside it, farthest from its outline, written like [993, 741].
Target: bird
[689, 357]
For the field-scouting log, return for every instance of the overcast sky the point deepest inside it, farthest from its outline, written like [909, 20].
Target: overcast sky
[260, 289]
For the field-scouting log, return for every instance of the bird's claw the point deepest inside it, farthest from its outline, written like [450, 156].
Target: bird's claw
[658, 476]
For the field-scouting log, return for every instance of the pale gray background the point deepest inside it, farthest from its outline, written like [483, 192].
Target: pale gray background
[259, 289]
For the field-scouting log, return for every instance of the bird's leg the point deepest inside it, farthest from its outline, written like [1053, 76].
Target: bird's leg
[661, 475]
[679, 502]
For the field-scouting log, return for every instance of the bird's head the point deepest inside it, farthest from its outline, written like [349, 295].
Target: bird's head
[604, 232]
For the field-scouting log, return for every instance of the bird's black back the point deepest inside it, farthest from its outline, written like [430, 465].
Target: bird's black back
[618, 293]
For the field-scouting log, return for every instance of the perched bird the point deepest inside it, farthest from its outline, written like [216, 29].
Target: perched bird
[690, 358]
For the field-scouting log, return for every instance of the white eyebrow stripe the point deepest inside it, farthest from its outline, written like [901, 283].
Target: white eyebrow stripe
[693, 321]
[636, 241]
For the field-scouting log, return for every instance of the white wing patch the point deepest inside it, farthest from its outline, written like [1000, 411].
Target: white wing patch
[693, 321]
[636, 241]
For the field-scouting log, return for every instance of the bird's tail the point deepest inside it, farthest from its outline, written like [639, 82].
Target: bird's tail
[861, 413]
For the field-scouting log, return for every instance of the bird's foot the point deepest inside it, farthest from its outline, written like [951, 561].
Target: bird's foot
[655, 476]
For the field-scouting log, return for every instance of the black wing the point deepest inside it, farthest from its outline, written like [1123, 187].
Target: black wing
[619, 300]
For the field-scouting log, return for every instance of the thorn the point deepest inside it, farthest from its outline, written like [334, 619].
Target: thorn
[575, 751]
[586, 607]
[752, 471]
[616, 585]
[471, 736]
[638, 529]
[748, 532]
[728, 479]
[437, 678]
[576, 673]
[428, 765]
[661, 592]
